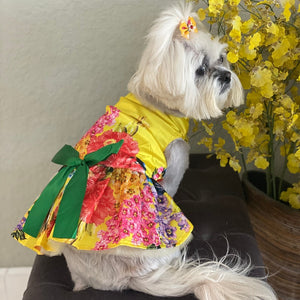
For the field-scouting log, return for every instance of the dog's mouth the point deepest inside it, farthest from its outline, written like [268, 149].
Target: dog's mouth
[224, 88]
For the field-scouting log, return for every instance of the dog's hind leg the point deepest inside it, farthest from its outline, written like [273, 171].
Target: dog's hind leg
[177, 156]
[108, 270]
[98, 270]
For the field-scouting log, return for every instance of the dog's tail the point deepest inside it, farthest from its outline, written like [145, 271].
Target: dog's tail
[213, 280]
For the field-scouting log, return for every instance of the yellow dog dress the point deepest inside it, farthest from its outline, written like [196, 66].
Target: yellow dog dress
[122, 202]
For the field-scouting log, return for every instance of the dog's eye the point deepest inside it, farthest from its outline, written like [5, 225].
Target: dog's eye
[221, 59]
[201, 70]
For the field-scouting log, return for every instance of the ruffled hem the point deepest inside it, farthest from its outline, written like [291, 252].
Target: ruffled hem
[121, 208]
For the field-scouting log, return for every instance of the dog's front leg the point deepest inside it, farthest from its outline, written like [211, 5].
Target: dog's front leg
[177, 156]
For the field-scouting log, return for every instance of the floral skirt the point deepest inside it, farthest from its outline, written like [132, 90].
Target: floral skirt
[121, 207]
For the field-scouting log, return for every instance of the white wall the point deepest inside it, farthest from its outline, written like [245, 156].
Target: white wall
[61, 62]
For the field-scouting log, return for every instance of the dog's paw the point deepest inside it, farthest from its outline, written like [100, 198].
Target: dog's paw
[79, 285]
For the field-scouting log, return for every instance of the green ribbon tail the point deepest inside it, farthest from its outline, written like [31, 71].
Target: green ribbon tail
[42, 205]
[66, 223]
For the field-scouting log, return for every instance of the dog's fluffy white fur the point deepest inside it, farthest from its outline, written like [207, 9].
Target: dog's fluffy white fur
[184, 77]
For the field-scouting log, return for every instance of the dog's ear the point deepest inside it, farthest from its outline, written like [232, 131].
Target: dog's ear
[162, 67]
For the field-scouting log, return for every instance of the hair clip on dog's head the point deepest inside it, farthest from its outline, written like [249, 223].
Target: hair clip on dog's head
[186, 28]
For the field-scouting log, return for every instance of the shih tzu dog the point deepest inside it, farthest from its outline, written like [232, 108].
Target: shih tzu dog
[109, 210]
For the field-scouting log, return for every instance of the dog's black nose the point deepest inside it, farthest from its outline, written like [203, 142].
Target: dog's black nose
[224, 77]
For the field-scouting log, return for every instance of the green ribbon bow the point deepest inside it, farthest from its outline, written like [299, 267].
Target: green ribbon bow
[70, 206]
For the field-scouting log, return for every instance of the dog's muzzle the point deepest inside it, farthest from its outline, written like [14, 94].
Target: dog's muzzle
[224, 79]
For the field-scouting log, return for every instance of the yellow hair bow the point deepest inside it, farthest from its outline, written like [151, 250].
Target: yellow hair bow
[186, 28]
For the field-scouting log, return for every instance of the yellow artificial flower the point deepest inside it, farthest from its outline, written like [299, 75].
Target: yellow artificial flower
[267, 90]
[248, 53]
[242, 131]
[255, 41]
[261, 163]
[232, 57]
[231, 117]
[245, 80]
[221, 143]
[234, 164]
[257, 110]
[223, 156]
[287, 102]
[293, 38]
[260, 77]
[272, 28]
[294, 200]
[283, 2]
[295, 136]
[201, 14]
[234, 2]
[231, 131]
[292, 195]
[271, 39]
[207, 142]
[293, 121]
[284, 149]
[281, 112]
[253, 153]
[253, 98]
[281, 48]
[208, 127]
[215, 6]
[268, 2]
[279, 128]
[235, 33]
[244, 128]
[264, 147]
[248, 25]
[248, 141]
[293, 163]
[286, 13]
[282, 76]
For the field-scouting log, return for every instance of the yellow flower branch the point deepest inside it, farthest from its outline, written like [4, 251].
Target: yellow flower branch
[264, 50]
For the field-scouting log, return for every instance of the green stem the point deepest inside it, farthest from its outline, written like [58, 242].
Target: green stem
[250, 12]
[270, 176]
[220, 24]
[291, 72]
[242, 63]
[194, 134]
[291, 84]
[282, 175]
[243, 161]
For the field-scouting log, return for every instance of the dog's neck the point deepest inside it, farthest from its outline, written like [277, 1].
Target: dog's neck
[152, 103]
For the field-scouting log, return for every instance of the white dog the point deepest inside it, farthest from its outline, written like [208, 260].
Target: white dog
[183, 74]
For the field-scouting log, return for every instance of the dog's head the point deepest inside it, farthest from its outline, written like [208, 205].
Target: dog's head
[183, 70]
